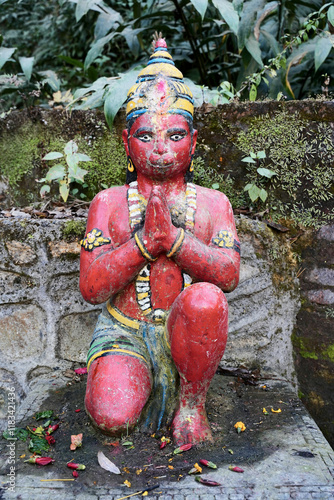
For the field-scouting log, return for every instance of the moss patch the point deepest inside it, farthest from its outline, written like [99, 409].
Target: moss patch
[74, 229]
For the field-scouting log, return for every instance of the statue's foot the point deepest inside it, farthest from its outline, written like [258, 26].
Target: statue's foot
[191, 426]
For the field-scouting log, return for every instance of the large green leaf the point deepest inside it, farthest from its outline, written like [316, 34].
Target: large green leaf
[106, 22]
[322, 48]
[200, 6]
[27, 65]
[330, 15]
[5, 54]
[254, 192]
[96, 49]
[95, 100]
[253, 47]
[271, 41]
[83, 6]
[266, 172]
[64, 191]
[247, 20]
[38, 445]
[117, 94]
[54, 155]
[55, 172]
[228, 13]
[51, 78]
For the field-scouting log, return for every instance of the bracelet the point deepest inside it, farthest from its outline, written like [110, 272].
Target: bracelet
[177, 243]
[143, 250]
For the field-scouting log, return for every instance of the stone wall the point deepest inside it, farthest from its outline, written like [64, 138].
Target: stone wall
[46, 325]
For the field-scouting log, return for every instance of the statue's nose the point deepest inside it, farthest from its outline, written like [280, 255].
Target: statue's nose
[160, 146]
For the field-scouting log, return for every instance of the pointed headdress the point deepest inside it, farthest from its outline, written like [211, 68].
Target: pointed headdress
[160, 87]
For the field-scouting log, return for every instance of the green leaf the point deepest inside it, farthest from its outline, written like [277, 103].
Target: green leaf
[79, 174]
[26, 65]
[248, 159]
[17, 433]
[83, 6]
[95, 100]
[247, 20]
[253, 47]
[253, 155]
[215, 186]
[51, 78]
[75, 62]
[44, 189]
[247, 187]
[43, 414]
[228, 13]
[271, 40]
[253, 93]
[322, 49]
[127, 443]
[263, 194]
[330, 15]
[52, 156]
[38, 445]
[265, 172]
[64, 191]
[200, 6]
[117, 94]
[254, 192]
[5, 54]
[96, 49]
[55, 172]
[83, 157]
[261, 154]
[71, 147]
[106, 22]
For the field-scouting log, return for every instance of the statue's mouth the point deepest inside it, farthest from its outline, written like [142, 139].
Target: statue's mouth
[160, 164]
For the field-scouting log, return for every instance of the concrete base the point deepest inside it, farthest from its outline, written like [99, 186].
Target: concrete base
[271, 451]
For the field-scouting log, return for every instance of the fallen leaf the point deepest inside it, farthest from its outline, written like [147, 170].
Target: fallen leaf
[107, 464]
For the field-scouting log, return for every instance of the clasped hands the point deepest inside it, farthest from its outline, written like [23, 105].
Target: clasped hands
[158, 233]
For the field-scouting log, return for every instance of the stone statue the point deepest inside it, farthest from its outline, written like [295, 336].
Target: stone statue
[159, 253]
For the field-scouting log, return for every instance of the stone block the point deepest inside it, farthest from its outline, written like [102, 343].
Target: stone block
[59, 248]
[24, 327]
[64, 291]
[16, 287]
[21, 253]
[321, 276]
[325, 297]
[75, 334]
[326, 233]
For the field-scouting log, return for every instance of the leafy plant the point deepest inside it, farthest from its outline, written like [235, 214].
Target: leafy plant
[67, 173]
[255, 188]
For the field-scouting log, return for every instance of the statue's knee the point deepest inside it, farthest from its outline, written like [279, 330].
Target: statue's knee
[117, 390]
[203, 298]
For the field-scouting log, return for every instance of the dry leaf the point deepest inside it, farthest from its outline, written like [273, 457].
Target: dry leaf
[106, 464]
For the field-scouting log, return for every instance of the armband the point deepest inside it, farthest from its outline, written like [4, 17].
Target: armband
[143, 250]
[94, 239]
[225, 239]
[177, 244]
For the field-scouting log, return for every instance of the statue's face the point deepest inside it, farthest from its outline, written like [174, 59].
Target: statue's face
[160, 145]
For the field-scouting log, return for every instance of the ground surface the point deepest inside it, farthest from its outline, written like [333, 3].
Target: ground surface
[273, 450]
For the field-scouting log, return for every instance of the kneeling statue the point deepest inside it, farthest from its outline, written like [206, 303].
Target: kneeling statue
[159, 252]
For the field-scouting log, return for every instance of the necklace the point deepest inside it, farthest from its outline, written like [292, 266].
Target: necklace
[137, 205]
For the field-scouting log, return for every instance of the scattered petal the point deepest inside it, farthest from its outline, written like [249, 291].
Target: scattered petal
[81, 371]
[76, 441]
[181, 449]
[106, 464]
[231, 451]
[52, 428]
[40, 460]
[71, 465]
[127, 483]
[240, 426]
[145, 494]
[170, 467]
[50, 439]
[206, 482]
[163, 445]
[235, 468]
[196, 469]
[77, 411]
[75, 473]
[265, 411]
[207, 463]
[276, 411]
[139, 471]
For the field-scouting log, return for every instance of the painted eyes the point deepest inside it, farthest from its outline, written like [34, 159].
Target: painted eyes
[148, 137]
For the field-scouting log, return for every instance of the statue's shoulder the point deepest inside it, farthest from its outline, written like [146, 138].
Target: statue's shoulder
[212, 198]
[111, 196]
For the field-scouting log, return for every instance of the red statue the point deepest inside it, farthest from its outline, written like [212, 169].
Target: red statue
[159, 252]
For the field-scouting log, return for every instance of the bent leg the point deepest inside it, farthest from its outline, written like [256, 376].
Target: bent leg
[197, 327]
[118, 387]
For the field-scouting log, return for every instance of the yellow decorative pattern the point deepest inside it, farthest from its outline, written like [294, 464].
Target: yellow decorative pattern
[225, 239]
[94, 239]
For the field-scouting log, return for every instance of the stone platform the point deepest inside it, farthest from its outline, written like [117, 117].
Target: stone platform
[284, 455]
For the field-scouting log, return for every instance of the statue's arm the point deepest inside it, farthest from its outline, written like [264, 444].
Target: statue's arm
[107, 267]
[219, 261]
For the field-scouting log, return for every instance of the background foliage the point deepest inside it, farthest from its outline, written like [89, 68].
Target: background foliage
[63, 50]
